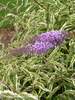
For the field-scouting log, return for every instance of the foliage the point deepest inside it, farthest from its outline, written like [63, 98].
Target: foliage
[46, 77]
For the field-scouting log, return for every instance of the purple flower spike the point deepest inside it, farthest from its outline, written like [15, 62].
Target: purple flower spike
[42, 43]
[41, 47]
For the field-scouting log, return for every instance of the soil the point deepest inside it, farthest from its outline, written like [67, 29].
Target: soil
[6, 36]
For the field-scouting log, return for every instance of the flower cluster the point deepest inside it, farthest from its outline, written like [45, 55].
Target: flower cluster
[42, 43]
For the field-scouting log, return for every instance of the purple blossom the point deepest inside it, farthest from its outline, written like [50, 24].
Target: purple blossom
[41, 43]
[54, 37]
[41, 47]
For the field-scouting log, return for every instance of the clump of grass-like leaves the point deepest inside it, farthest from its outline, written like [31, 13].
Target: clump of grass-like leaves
[47, 77]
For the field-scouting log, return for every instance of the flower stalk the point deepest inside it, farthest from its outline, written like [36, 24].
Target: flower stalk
[41, 43]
